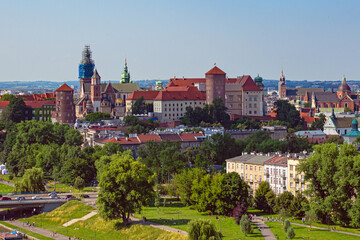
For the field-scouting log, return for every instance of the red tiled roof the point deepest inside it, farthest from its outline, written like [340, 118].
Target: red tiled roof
[189, 136]
[248, 84]
[123, 140]
[215, 71]
[149, 137]
[147, 95]
[185, 81]
[32, 104]
[172, 137]
[39, 104]
[3, 104]
[307, 118]
[180, 93]
[277, 160]
[64, 88]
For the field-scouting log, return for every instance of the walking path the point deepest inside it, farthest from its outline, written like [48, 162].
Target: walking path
[264, 229]
[159, 226]
[37, 230]
[325, 229]
[87, 216]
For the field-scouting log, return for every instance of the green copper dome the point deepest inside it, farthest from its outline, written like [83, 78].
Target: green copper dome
[354, 121]
[258, 81]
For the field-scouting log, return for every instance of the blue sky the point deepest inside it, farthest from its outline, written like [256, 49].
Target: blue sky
[313, 40]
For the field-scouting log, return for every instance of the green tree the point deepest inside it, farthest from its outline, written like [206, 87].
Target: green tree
[184, 182]
[245, 224]
[319, 123]
[311, 217]
[290, 233]
[32, 181]
[79, 183]
[200, 229]
[296, 206]
[334, 139]
[286, 225]
[139, 106]
[283, 201]
[297, 143]
[79, 166]
[203, 196]
[7, 97]
[283, 214]
[97, 116]
[287, 112]
[125, 186]
[260, 197]
[15, 111]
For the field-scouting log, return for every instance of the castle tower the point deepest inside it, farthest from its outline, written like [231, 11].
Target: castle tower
[282, 86]
[344, 89]
[215, 84]
[86, 69]
[96, 91]
[65, 107]
[125, 76]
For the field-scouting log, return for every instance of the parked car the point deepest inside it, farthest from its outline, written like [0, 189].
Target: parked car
[54, 196]
[69, 196]
[20, 198]
[36, 198]
[52, 193]
[5, 198]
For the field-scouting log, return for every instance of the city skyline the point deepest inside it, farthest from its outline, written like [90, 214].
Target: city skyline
[310, 40]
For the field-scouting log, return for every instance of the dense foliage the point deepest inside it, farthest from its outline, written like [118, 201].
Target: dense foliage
[125, 186]
[334, 176]
[139, 126]
[210, 113]
[200, 229]
[97, 116]
[287, 112]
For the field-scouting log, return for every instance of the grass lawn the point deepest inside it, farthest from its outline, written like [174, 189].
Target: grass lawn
[317, 224]
[95, 226]
[64, 188]
[5, 189]
[23, 230]
[303, 232]
[183, 215]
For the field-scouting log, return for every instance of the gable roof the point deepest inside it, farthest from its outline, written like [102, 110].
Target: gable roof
[302, 91]
[215, 71]
[190, 136]
[180, 93]
[147, 95]
[277, 160]
[123, 140]
[343, 122]
[172, 137]
[248, 84]
[125, 87]
[149, 137]
[64, 88]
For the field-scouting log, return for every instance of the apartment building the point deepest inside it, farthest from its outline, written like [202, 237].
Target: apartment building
[295, 179]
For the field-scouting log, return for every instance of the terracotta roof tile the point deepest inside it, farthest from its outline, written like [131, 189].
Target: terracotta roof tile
[180, 93]
[149, 137]
[173, 137]
[278, 160]
[123, 140]
[148, 95]
[189, 136]
[248, 84]
[64, 88]
[215, 71]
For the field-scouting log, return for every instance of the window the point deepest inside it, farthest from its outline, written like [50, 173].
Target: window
[255, 168]
[291, 184]
[249, 112]
[291, 167]
[260, 178]
[259, 169]
[255, 105]
[255, 98]
[231, 97]
[250, 168]
[250, 105]
[250, 98]
[291, 176]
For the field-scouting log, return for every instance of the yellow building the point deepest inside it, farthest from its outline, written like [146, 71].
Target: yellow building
[295, 179]
[249, 167]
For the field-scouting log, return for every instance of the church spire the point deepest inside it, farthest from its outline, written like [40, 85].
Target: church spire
[125, 76]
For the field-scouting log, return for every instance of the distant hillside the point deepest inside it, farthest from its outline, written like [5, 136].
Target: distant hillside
[41, 86]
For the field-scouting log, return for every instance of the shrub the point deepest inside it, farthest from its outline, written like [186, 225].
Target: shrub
[202, 229]
[245, 224]
[286, 225]
[290, 233]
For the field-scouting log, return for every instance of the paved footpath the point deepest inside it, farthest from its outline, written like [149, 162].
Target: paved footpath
[264, 229]
[87, 216]
[325, 229]
[156, 225]
[37, 230]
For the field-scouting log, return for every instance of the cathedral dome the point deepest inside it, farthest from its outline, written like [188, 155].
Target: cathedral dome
[344, 86]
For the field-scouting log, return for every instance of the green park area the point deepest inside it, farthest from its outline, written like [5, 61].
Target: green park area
[94, 227]
[5, 189]
[177, 215]
[305, 233]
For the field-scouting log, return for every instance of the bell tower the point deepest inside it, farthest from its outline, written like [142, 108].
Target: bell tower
[282, 86]
[86, 70]
[95, 91]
